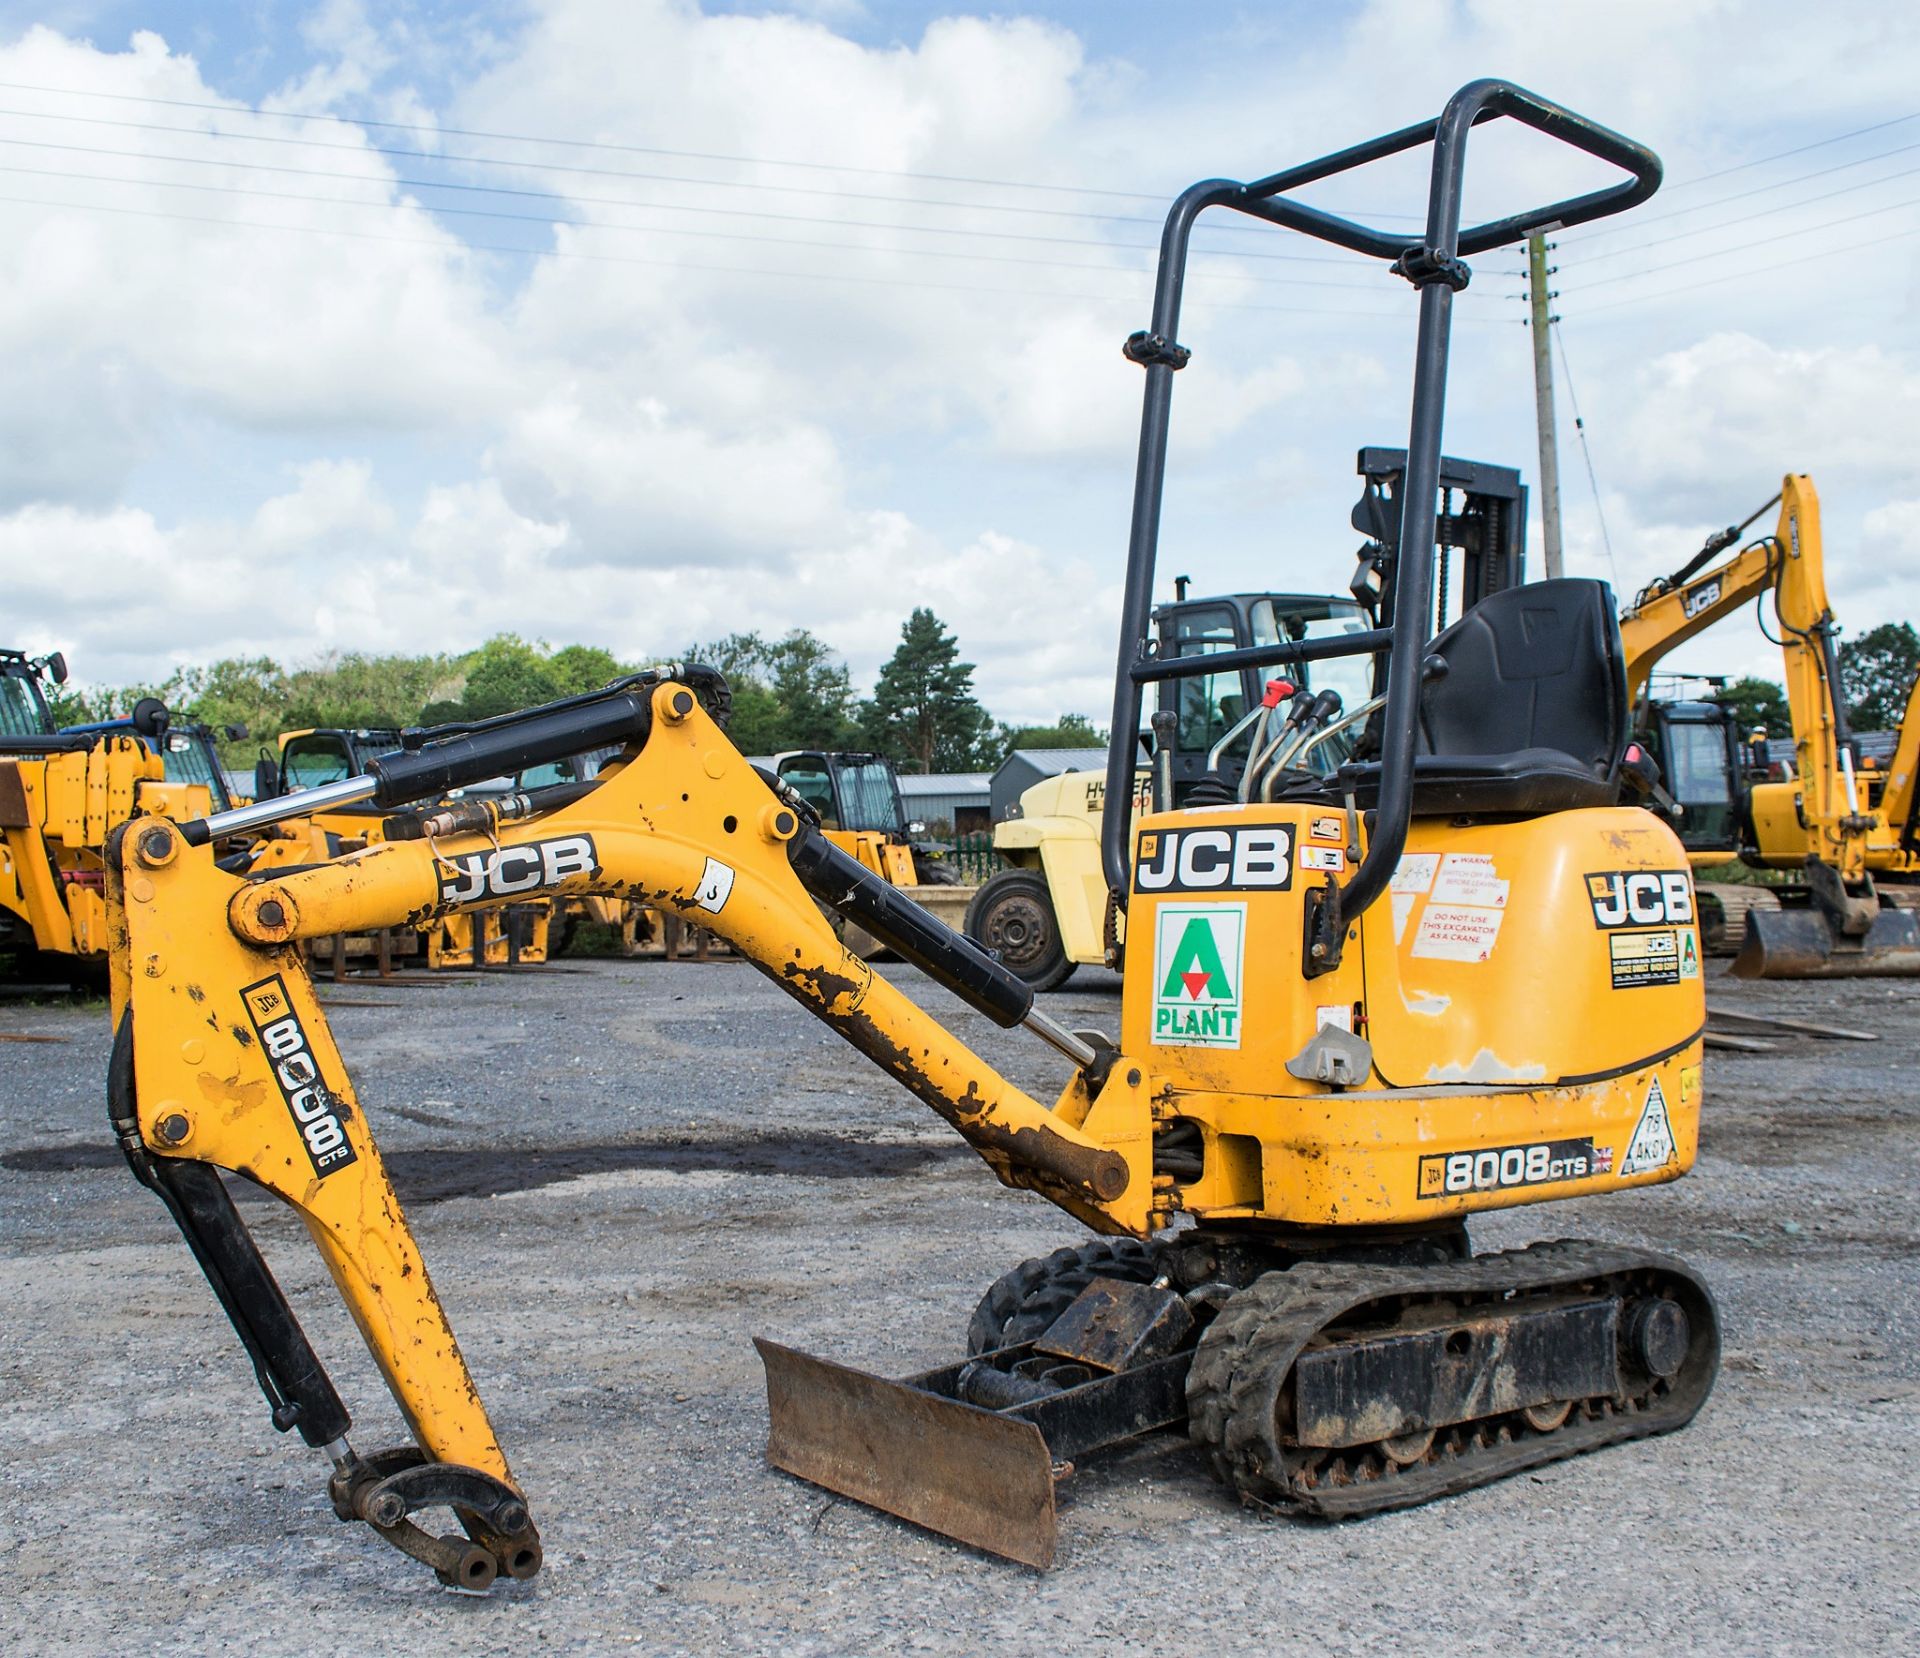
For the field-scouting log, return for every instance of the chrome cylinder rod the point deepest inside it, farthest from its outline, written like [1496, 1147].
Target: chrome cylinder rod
[301, 803]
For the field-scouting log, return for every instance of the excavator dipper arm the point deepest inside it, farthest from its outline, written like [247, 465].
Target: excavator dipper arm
[224, 1060]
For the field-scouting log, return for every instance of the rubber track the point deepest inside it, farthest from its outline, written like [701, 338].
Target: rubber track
[1246, 1357]
[1021, 1303]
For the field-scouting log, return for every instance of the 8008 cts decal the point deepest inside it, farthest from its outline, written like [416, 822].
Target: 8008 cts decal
[316, 1113]
[505, 870]
[1501, 1168]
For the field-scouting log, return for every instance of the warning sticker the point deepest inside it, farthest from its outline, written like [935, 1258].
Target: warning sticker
[715, 888]
[1457, 932]
[1323, 857]
[1325, 829]
[1470, 878]
[1652, 1144]
[1197, 956]
[1339, 1016]
[1639, 959]
[1414, 872]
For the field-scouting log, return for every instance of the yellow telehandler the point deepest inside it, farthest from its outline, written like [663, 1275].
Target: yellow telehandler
[1360, 1007]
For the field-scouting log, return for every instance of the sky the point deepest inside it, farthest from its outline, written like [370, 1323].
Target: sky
[361, 327]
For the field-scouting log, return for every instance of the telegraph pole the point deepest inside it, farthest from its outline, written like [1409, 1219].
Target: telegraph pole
[1538, 300]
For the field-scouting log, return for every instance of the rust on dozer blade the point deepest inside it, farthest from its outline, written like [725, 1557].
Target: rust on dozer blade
[1799, 943]
[967, 1473]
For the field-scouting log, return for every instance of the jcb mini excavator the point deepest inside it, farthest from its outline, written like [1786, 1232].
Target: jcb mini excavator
[1846, 832]
[1359, 1008]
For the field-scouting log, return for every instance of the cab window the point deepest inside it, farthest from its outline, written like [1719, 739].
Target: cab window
[806, 775]
[1697, 757]
[1208, 704]
[310, 761]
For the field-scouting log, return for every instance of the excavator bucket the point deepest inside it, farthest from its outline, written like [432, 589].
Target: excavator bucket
[1800, 943]
[971, 1474]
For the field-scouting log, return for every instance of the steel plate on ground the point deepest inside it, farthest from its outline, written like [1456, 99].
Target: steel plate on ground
[967, 1473]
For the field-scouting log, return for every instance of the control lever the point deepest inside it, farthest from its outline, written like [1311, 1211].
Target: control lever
[1249, 779]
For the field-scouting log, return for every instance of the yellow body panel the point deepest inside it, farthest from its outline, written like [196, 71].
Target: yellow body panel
[1501, 1013]
[51, 870]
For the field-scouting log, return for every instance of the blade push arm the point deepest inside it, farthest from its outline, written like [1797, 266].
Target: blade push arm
[232, 1064]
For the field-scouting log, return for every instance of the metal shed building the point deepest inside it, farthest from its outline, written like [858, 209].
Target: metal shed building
[959, 799]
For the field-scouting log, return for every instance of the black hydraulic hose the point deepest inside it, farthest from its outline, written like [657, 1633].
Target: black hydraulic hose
[505, 749]
[951, 959]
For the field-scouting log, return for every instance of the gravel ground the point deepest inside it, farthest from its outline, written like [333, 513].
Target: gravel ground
[620, 1171]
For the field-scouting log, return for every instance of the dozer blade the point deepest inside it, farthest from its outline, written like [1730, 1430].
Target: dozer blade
[970, 1474]
[1798, 943]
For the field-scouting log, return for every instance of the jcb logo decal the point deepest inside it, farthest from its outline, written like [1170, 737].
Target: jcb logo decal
[1707, 593]
[1641, 898]
[1250, 858]
[507, 870]
[316, 1113]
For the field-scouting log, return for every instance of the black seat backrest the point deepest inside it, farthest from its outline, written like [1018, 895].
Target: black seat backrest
[1534, 667]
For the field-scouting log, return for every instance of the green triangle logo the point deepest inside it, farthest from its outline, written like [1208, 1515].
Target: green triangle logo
[1196, 968]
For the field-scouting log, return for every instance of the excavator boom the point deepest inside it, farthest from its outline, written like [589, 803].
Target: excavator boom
[1822, 823]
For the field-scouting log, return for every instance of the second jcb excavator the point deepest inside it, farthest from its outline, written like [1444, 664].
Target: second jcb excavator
[1846, 831]
[1360, 1007]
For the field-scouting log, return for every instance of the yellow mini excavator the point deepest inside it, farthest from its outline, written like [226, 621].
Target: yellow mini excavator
[1446, 977]
[1847, 832]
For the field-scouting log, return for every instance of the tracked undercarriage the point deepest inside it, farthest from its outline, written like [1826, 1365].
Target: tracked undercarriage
[1336, 1384]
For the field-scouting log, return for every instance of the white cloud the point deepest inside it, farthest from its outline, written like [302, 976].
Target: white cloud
[429, 443]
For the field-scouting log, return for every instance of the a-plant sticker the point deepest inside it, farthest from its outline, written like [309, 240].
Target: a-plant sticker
[1197, 956]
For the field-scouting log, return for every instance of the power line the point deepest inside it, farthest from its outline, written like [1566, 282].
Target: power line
[462, 246]
[1782, 155]
[594, 144]
[1747, 276]
[1744, 195]
[580, 169]
[596, 201]
[1745, 247]
[549, 222]
[1748, 218]
[1580, 426]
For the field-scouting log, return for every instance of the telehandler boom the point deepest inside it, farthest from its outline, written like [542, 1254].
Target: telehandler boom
[1310, 1093]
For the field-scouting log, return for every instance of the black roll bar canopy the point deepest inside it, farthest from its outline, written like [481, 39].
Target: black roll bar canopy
[1433, 264]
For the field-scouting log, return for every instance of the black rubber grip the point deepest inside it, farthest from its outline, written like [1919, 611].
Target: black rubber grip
[429, 772]
[952, 959]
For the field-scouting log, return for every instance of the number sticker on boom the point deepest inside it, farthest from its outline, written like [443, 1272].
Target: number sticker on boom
[316, 1113]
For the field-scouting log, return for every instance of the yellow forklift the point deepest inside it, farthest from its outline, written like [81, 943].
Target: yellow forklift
[1468, 998]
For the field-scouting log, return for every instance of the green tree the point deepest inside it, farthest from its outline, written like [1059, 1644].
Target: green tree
[923, 712]
[1069, 731]
[582, 668]
[1877, 670]
[814, 693]
[505, 674]
[1756, 702]
[788, 693]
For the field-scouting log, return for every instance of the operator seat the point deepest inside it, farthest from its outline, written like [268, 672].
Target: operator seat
[1529, 714]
